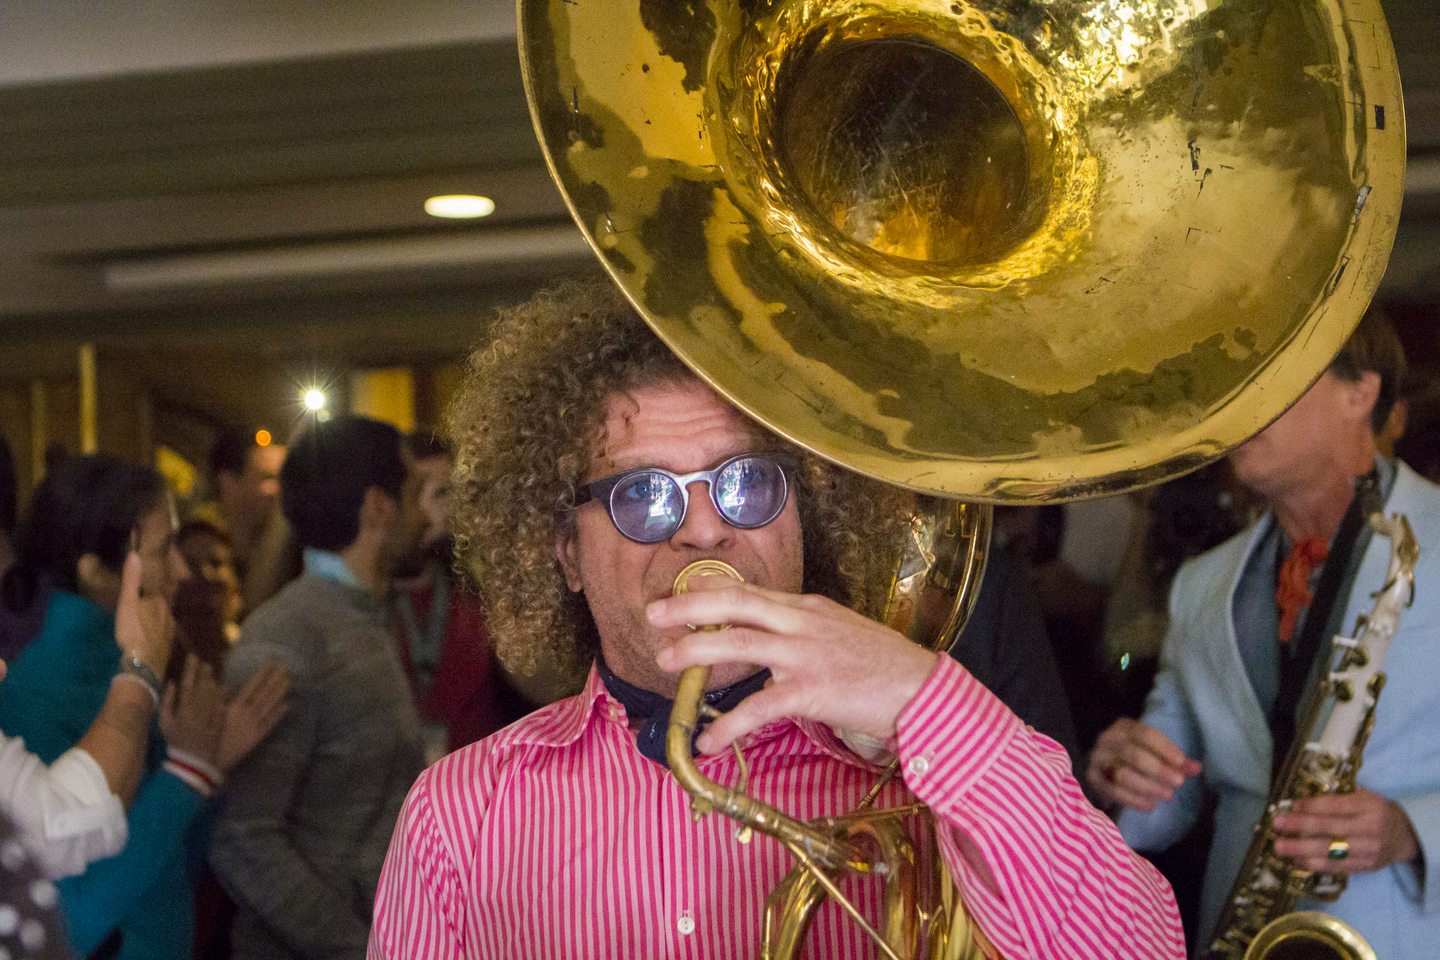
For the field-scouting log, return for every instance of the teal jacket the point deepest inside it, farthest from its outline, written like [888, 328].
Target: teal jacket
[51, 695]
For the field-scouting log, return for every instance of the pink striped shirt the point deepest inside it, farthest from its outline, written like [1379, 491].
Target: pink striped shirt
[556, 838]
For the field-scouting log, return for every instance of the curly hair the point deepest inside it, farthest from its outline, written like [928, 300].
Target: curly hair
[528, 421]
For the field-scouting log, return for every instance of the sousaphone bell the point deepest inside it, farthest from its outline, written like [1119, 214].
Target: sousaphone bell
[1004, 251]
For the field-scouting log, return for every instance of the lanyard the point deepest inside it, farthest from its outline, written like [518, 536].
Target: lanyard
[1297, 661]
[425, 647]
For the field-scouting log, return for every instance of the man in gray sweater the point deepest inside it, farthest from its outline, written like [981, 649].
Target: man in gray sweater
[307, 818]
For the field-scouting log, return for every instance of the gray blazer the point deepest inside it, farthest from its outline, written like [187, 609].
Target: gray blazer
[306, 819]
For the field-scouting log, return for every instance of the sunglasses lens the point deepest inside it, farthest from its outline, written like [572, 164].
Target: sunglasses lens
[647, 507]
[750, 492]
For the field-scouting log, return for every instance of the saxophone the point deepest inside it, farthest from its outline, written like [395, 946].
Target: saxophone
[1259, 917]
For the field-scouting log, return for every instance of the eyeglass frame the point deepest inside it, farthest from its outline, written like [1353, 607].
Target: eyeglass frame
[603, 490]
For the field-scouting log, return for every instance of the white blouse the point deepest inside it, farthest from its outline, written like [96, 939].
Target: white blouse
[65, 813]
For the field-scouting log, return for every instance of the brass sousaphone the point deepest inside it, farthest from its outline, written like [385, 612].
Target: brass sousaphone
[1002, 251]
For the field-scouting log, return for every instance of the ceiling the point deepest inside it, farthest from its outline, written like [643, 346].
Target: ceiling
[252, 174]
[223, 175]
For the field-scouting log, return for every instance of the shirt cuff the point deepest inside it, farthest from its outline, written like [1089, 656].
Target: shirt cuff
[81, 815]
[79, 774]
[200, 775]
[950, 734]
[1423, 811]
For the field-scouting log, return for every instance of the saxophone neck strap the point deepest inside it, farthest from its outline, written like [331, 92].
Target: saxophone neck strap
[1297, 657]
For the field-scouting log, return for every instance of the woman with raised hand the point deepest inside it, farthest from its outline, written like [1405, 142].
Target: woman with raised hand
[83, 520]
[70, 813]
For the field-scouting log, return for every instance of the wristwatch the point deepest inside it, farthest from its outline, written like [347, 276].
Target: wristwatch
[131, 665]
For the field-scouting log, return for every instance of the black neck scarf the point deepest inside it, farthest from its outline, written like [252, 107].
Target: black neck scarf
[655, 709]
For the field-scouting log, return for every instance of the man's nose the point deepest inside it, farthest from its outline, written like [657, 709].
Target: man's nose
[703, 528]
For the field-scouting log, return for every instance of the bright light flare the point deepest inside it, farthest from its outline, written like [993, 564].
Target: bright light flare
[459, 206]
[313, 399]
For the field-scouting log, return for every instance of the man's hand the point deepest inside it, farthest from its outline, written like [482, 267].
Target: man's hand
[1137, 766]
[192, 714]
[253, 713]
[1377, 830]
[828, 663]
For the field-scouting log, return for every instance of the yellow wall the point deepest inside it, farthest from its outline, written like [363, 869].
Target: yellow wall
[387, 395]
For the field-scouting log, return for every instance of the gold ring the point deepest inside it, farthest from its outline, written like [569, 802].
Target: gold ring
[1339, 849]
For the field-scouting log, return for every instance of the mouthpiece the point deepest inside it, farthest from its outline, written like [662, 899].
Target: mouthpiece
[702, 569]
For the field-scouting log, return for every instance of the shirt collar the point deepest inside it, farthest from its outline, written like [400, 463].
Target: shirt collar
[331, 566]
[1387, 471]
[594, 704]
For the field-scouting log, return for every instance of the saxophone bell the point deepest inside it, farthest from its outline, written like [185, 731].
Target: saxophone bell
[1308, 935]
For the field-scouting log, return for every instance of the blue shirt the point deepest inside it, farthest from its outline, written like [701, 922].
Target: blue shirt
[331, 566]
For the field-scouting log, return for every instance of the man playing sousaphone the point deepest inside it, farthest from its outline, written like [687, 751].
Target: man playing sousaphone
[593, 467]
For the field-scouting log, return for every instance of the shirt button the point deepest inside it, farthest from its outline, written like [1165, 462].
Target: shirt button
[686, 925]
[919, 766]
[614, 712]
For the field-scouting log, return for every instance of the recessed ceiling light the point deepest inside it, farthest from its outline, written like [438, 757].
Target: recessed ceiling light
[459, 206]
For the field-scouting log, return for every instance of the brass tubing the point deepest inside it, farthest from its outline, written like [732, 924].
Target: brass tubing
[706, 795]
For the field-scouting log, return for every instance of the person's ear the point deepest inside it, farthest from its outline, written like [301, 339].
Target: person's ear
[1363, 393]
[97, 581]
[1394, 427]
[566, 553]
[225, 482]
[88, 570]
[378, 509]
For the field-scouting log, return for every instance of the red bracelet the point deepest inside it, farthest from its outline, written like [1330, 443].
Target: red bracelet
[200, 776]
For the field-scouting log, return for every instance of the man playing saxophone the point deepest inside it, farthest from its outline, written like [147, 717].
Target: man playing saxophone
[593, 467]
[1242, 648]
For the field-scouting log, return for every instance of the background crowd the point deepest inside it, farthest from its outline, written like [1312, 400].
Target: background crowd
[214, 709]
